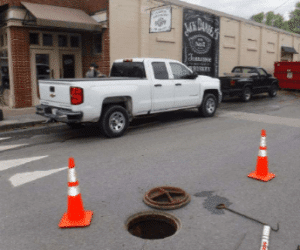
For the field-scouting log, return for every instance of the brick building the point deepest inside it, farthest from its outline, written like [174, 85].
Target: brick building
[49, 39]
[59, 39]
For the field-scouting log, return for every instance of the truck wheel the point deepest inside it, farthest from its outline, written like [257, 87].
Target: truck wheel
[246, 95]
[273, 91]
[114, 121]
[208, 106]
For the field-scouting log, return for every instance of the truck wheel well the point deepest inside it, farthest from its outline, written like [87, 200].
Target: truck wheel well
[214, 92]
[123, 101]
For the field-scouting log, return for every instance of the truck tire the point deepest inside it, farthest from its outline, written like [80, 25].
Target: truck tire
[114, 121]
[246, 94]
[208, 106]
[273, 90]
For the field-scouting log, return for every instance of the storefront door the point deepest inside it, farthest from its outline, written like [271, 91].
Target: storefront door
[70, 64]
[44, 65]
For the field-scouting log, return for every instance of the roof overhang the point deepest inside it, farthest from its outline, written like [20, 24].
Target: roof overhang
[59, 17]
[289, 49]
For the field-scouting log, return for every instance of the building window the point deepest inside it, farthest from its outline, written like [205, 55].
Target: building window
[34, 38]
[47, 40]
[5, 39]
[2, 41]
[98, 43]
[74, 40]
[62, 41]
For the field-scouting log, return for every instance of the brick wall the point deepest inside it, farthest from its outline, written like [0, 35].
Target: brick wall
[103, 59]
[21, 66]
[100, 59]
[20, 53]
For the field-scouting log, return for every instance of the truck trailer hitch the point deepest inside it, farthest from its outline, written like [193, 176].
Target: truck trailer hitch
[222, 206]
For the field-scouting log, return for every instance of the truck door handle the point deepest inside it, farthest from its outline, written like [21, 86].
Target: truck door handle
[178, 84]
[157, 85]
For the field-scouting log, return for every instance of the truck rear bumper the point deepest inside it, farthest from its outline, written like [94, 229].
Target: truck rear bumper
[58, 114]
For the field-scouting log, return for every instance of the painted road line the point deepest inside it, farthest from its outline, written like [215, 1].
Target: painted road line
[4, 138]
[23, 178]
[291, 122]
[18, 162]
[3, 148]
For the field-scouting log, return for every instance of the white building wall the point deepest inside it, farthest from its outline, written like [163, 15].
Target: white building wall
[242, 42]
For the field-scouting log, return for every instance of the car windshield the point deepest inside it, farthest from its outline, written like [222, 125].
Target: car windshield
[243, 70]
[128, 69]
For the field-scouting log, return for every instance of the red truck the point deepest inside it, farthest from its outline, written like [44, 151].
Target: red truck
[288, 74]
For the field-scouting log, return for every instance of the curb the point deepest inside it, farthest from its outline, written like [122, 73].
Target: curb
[37, 127]
[5, 127]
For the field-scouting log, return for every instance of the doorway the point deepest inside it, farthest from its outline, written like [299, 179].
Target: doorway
[43, 66]
[53, 64]
[70, 64]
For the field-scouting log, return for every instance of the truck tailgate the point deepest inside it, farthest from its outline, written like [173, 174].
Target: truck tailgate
[55, 92]
[225, 82]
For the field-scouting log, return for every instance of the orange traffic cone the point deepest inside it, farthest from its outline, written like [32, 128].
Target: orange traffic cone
[76, 216]
[261, 172]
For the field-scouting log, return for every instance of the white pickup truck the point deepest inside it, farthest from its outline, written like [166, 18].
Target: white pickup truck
[135, 87]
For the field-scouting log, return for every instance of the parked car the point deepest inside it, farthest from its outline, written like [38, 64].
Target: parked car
[245, 81]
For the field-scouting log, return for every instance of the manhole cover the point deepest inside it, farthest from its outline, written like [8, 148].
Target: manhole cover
[166, 197]
[152, 225]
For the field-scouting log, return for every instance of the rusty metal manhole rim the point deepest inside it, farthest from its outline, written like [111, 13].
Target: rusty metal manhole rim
[167, 191]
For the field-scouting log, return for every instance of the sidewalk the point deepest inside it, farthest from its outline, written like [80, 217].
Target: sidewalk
[18, 118]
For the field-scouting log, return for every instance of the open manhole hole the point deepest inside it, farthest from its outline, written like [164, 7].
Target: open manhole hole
[166, 197]
[152, 225]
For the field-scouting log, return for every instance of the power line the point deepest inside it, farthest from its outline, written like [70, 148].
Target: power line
[281, 5]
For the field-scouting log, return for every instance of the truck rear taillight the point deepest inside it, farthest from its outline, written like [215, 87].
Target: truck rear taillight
[232, 83]
[76, 95]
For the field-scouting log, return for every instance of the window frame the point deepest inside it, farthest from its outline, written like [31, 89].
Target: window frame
[42, 37]
[166, 66]
[67, 41]
[183, 66]
[265, 73]
[79, 41]
[94, 44]
[39, 39]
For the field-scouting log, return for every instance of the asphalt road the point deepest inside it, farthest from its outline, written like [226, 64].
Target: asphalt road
[209, 158]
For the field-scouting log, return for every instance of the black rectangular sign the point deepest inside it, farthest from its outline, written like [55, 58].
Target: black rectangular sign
[201, 42]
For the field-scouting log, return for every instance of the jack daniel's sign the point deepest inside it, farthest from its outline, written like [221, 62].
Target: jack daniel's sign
[201, 42]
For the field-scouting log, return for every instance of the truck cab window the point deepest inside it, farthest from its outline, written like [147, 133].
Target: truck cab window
[237, 70]
[160, 70]
[262, 72]
[179, 71]
[128, 69]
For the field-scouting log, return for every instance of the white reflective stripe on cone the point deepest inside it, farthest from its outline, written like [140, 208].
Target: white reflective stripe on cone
[266, 230]
[262, 153]
[265, 238]
[72, 175]
[73, 191]
[263, 142]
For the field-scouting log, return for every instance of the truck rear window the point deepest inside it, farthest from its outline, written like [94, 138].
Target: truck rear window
[128, 69]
